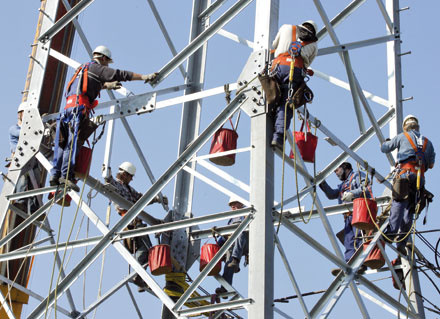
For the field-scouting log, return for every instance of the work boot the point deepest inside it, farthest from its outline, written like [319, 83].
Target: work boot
[142, 285]
[54, 181]
[277, 145]
[361, 270]
[234, 264]
[335, 271]
[221, 290]
[69, 184]
[402, 250]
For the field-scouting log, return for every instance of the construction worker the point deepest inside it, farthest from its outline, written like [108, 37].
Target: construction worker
[352, 186]
[292, 42]
[24, 183]
[415, 155]
[81, 94]
[138, 245]
[240, 247]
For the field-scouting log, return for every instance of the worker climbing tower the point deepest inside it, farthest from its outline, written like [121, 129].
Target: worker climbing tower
[292, 229]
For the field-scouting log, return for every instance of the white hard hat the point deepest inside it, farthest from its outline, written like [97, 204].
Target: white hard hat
[313, 23]
[103, 50]
[234, 199]
[410, 118]
[21, 107]
[128, 167]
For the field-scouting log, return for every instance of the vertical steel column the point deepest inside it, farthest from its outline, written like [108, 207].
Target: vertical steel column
[395, 97]
[261, 231]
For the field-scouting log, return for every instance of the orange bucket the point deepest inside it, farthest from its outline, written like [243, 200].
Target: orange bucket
[375, 259]
[83, 161]
[306, 142]
[208, 252]
[159, 259]
[224, 140]
[361, 216]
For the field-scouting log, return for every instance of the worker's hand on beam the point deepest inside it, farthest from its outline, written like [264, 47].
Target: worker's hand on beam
[347, 197]
[148, 78]
[112, 85]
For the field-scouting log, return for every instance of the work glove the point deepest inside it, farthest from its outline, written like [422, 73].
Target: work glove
[149, 77]
[113, 85]
[322, 184]
[347, 197]
[295, 48]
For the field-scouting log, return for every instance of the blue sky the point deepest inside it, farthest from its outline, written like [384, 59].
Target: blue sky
[130, 31]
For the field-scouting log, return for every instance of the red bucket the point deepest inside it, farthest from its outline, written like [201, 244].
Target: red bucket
[224, 140]
[306, 147]
[375, 259]
[159, 259]
[208, 252]
[83, 160]
[361, 216]
[67, 200]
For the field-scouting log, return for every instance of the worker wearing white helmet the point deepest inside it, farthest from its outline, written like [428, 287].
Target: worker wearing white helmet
[240, 247]
[82, 91]
[415, 155]
[139, 245]
[14, 130]
[298, 42]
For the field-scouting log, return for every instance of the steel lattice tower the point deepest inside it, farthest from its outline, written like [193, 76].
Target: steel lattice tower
[268, 250]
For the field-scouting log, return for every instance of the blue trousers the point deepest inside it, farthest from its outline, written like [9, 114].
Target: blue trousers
[282, 76]
[240, 247]
[350, 243]
[68, 125]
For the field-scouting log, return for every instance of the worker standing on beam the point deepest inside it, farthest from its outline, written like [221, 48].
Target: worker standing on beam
[139, 245]
[81, 93]
[415, 155]
[238, 249]
[352, 186]
[292, 42]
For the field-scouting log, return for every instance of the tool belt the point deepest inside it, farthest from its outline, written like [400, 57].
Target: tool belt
[302, 95]
[271, 88]
[411, 167]
[82, 99]
[401, 188]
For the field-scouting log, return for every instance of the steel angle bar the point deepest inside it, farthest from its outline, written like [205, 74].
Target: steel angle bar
[6, 306]
[301, 194]
[219, 313]
[142, 158]
[336, 209]
[356, 45]
[358, 143]
[340, 17]
[24, 215]
[211, 9]
[140, 204]
[185, 223]
[65, 20]
[31, 293]
[34, 244]
[235, 304]
[342, 84]
[30, 193]
[214, 184]
[315, 244]
[384, 296]
[105, 296]
[31, 219]
[224, 175]
[204, 273]
[17, 254]
[378, 302]
[290, 162]
[236, 151]
[79, 30]
[201, 39]
[291, 276]
[65, 59]
[194, 96]
[235, 38]
[386, 17]
[136, 307]
[281, 313]
[207, 233]
[345, 148]
[165, 33]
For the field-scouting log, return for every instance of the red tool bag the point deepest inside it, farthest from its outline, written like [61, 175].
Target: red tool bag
[83, 160]
[375, 259]
[208, 252]
[361, 213]
[224, 140]
[159, 259]
[306, 142]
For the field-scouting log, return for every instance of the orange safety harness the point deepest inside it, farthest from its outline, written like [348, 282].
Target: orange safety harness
[414, 166]
[80, 99]
[285, 58]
